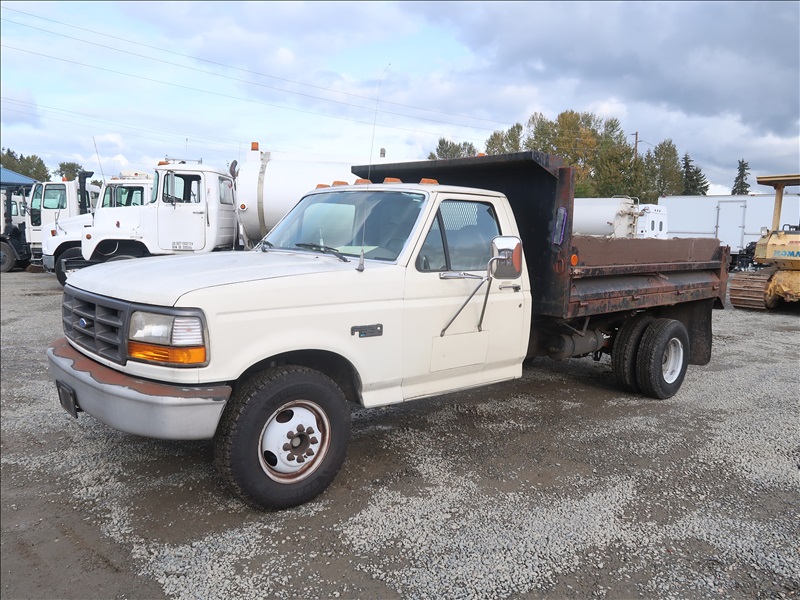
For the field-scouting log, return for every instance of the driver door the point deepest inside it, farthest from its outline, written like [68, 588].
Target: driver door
[444, 352]
[182, 213]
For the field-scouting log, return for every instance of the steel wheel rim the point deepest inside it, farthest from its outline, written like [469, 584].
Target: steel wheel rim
[672, 360]
[294, 441]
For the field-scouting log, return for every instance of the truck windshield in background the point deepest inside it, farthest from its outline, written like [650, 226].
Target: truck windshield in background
[380, 222]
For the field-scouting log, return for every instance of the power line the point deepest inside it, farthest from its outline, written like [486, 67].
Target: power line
[250, 72]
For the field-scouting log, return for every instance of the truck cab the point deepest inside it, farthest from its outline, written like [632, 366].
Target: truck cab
[116, 209]
[51, 201]
[186, 208]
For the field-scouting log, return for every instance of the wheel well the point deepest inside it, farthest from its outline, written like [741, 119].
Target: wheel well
[64, 247]
[107, 248]
[339, 369]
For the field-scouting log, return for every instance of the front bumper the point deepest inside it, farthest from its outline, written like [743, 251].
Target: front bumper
[138, 406]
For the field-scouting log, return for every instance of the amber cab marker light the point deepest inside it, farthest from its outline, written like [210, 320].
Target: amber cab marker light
[322, 185]
[573, 260]
[253, 145]
[392, 180]
[429, 181]
[362, 181]
[337, 183]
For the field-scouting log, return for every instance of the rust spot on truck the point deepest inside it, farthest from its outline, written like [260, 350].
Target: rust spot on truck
[106, 376]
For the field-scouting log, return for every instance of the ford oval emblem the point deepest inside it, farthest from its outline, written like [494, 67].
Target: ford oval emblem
[83, 323]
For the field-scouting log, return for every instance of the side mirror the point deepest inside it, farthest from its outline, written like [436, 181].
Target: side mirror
[506, 261]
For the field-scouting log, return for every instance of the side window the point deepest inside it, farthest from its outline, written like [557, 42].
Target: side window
[460, 239]
[55, 196]
[108, 197]
[225, 191]
[154, 191]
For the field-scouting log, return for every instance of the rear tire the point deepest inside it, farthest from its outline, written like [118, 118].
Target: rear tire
[662, 358]
[68, 254]
[7, 257]
[283, 437]
[624, 352]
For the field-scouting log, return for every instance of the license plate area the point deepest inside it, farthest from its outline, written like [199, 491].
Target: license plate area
[66, 396]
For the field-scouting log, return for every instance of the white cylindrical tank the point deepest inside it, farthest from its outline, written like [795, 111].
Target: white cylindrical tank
[612, 217]
[267, 189]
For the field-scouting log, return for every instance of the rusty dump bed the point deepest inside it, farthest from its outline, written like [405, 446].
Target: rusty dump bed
[576, 276]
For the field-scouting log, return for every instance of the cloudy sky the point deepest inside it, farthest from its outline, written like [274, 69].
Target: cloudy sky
[325, 85]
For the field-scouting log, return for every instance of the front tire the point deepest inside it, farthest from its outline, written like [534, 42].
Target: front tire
[68, 254]
[663, 358]
[283, 437]
[7, 257]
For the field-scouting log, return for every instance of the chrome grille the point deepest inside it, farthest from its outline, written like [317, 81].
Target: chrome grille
[96, 323]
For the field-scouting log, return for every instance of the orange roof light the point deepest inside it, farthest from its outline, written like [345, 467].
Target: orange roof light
[335, 183]
[362, 181]
[429, 181]
[392, 180]
[253, 145]
[322, 185]
[161, 163]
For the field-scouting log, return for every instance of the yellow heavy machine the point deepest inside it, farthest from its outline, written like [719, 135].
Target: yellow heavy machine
[776, 277]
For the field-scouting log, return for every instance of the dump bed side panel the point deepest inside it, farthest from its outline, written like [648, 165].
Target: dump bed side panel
[612, 274]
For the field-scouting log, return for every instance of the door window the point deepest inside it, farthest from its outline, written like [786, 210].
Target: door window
[460, 237]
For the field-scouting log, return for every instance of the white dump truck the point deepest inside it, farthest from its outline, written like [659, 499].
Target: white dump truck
[373, 294]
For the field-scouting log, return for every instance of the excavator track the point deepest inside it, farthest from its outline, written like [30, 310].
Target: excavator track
[748, 290]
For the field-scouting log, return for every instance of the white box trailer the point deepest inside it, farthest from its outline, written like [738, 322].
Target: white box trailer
[735, 221]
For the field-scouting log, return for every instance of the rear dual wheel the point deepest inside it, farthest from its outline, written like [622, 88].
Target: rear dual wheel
[650, 356]
[662, 358]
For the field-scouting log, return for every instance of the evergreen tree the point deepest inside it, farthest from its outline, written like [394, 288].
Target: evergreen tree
[663, 171]
[694, 182]
[69, 170]
[740, 185]
[505, 142]
[448, 149]
[31, 166]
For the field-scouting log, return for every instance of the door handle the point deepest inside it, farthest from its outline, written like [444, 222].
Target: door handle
[198, 212]
[513, 286]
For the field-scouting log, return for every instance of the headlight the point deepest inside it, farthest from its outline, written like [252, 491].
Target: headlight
[167, 339]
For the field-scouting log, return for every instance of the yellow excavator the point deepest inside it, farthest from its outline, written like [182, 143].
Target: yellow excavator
[776, 259]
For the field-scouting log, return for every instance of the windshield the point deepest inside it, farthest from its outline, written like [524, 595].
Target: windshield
[347, 221]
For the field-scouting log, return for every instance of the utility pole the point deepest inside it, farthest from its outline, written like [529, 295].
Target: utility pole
[636, 145]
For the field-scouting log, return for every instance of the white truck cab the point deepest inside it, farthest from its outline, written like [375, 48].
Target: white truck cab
[52, 201]
[353, 294]
[119, 199]
[186, 208]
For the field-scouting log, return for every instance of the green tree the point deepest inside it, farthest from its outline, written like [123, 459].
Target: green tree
[447, 149]
[69, 170]
[662, 169]
[505, 142]
[694, 182]
[740, 185]
[31, 166]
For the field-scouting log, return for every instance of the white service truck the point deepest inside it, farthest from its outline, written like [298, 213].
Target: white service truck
[187, 208]
[736, 221]
[51, 201]
[375, 294]
[120, 197]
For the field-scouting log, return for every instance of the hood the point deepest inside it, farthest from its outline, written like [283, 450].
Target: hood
[162, 280]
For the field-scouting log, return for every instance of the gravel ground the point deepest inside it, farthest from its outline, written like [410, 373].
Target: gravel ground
[555, 486]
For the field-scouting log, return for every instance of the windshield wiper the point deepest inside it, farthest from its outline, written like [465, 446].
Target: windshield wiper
[264, 244]
[325, 249]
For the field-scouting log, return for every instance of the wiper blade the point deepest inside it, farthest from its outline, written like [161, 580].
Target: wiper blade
[264, 244]
[325, 249]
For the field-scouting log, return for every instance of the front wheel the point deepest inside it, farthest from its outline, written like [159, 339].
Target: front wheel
[7, 257]
[283, 437]
[662, 358]
[61, 272]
